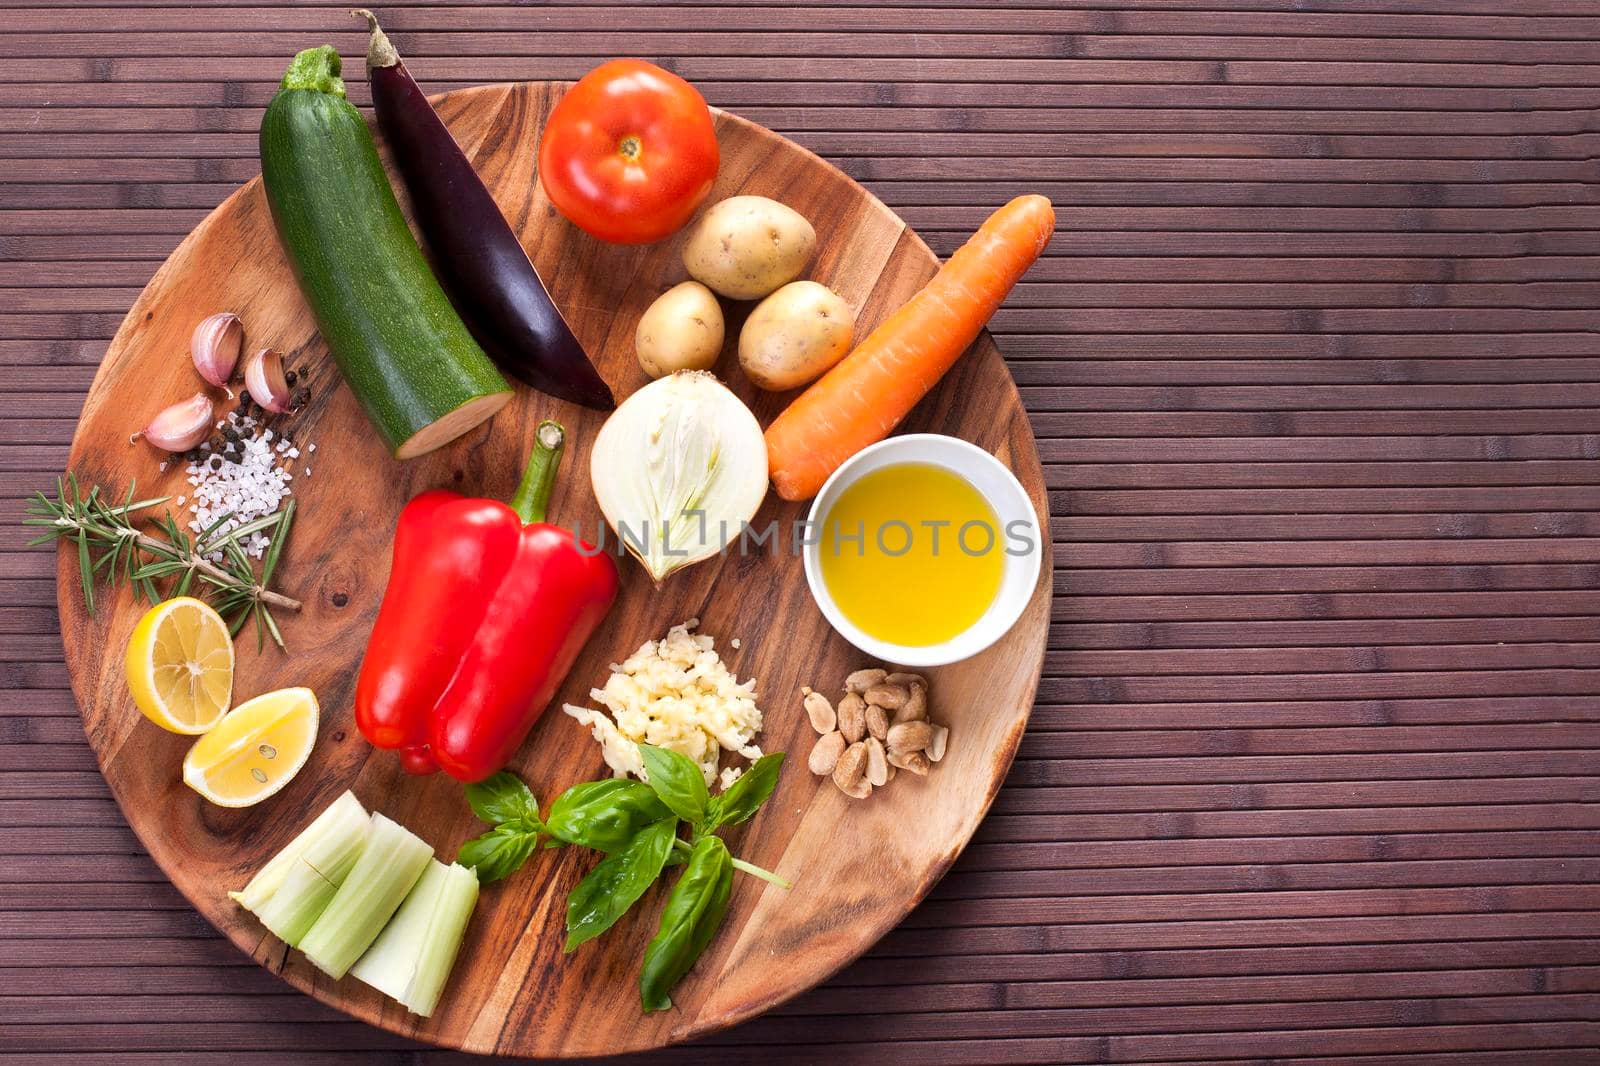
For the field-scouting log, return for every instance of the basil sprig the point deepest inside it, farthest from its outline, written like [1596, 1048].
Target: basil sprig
[677, 782]
[618, 882]
[508, 804]
[605, 815]
[503, 798]
[501, 851]
[740, 800]
[635, 825]
[690, 919]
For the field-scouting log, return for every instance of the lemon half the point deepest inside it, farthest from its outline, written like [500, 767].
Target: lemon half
[180, 665]
[255, 750]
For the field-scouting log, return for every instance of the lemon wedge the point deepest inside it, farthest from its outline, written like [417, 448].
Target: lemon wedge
[180, 665]
[255, 750]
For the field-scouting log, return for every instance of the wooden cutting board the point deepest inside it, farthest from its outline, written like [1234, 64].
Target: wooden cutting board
[858, 867]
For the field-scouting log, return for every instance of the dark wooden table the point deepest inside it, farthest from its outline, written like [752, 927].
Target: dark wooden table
[1312, 364]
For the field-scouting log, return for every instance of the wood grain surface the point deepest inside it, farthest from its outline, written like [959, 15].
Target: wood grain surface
[1311, 362]
[857, 869]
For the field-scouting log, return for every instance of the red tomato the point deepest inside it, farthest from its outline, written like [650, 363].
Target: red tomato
[629, 152]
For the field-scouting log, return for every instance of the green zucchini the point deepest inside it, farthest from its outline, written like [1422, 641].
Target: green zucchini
[402, 348]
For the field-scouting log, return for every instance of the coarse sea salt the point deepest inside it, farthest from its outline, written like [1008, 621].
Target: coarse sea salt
[244, 491]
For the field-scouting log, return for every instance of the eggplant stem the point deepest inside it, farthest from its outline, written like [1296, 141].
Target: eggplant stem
[539, 479]
[380, 53]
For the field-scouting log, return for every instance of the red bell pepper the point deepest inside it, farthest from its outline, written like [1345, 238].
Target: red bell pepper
[486, 610]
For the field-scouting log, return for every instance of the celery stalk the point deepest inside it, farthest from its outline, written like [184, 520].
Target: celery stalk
[412, 958]
[339, 816]
[313, 880]
[389, 865]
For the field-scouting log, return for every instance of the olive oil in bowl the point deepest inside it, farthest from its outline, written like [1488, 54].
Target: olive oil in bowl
[912, 554]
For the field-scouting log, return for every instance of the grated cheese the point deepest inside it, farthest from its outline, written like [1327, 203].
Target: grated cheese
[674, 693]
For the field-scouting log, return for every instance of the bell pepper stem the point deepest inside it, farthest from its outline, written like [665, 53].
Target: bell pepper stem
[533, 495]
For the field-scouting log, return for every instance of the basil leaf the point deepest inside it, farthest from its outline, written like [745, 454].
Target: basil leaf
[604, 815]
[746, 795]
[502, 797]
[678, 782]
[617, 883]
[693, 913]
[501, 851]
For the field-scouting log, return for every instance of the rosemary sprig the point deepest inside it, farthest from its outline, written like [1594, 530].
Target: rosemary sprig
[128, 555]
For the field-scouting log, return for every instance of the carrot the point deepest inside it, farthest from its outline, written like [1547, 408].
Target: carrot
[865, 396]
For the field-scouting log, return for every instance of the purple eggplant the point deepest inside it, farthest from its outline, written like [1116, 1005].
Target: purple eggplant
[483, 266]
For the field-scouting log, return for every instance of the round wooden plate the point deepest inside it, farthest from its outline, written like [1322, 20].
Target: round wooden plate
[858, 867]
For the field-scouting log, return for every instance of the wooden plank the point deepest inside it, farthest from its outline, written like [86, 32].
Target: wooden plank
[747, 96]
[841, 116]
[1060, 19]
[805, 39]
[1521, 295]
[83, 274]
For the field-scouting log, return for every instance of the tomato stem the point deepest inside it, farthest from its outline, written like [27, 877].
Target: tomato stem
[630, 148]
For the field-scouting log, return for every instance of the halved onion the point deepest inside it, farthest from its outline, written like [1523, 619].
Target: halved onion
[678, 469]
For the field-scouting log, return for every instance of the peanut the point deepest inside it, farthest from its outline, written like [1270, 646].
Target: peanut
[820, 711]
[861, 791]
[862, 680]
[825, 756]
[850, 773]
[909, 736]
[889, 697]
[916, 706]
[877, 762]
[877, 721]
[853, 717]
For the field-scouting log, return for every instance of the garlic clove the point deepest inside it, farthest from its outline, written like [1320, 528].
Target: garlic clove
[215, 348]
[181, 426]
[263, 376]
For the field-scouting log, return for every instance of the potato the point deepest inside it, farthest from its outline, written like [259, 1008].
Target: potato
[794, 335]
[682, 330]
[747, 246]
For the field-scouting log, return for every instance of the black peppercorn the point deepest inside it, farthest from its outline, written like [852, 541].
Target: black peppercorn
[216, 463]
[244, 398]
[290, 377]
[230, 434]
[301, 396]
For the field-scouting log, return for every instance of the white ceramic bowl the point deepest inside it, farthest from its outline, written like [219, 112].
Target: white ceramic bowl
[996, 484]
